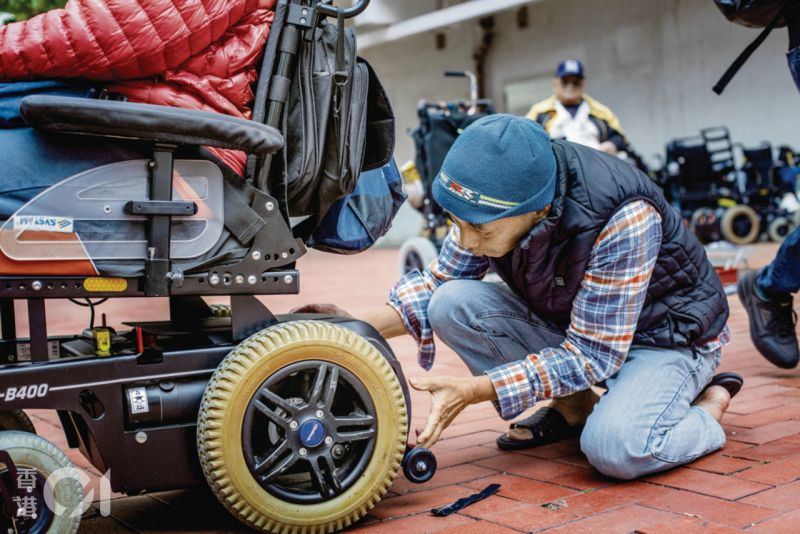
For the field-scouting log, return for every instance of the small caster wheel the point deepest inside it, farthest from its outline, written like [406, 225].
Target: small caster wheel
[419, 465]
[779, 228]
[417, 253]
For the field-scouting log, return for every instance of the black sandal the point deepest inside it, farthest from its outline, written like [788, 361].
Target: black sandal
[547, 426]
[731, 381]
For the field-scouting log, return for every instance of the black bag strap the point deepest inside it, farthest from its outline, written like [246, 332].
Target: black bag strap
[746, 53]
[340, 75]
[241, 219]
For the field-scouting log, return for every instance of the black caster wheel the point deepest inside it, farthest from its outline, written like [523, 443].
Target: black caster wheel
[417, 253]
[419, 465]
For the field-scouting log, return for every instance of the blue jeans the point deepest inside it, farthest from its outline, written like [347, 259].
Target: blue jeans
[793, 58]
[644, 423]
[782, 276]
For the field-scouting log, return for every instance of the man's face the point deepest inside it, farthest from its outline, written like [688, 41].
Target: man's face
[497, 238]
[568, 90]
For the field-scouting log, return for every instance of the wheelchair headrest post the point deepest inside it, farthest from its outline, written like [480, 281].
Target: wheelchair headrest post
[332, 11]
[308, 16]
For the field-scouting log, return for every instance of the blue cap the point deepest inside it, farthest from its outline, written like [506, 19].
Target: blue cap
[500, 166]
[569, 67]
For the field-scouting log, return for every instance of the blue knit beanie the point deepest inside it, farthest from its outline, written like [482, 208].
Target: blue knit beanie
[500, 166]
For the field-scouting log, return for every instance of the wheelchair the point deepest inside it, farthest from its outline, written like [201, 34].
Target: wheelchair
[440, 123]
[720, 198]
[297, 423]
[762, 190]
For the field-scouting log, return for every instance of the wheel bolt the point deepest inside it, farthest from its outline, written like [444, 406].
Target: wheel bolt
[421, 466]
[293, 425]
[302, 452]
[328, 440]
[338, 452]
[320, 414]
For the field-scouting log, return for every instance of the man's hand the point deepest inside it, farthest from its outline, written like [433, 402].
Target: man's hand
[449, 396]
[327, 309]
[608, 147]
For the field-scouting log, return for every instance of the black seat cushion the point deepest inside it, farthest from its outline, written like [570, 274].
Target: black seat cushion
[148, 122]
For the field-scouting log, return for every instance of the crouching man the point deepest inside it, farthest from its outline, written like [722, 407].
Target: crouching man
[603, 285]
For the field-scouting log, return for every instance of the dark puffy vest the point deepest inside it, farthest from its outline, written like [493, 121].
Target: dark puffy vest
[685, 303]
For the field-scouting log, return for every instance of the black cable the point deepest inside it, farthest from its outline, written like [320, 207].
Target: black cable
[89, 304]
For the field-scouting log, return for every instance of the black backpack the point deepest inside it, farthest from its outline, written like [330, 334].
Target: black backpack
[753, 13]
[338, 122]
[767, 14]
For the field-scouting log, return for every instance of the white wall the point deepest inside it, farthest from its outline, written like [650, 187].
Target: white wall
[652, 61]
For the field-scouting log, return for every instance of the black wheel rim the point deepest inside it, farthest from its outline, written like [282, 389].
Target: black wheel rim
[309, 432]
[742, 226]
[414, 261]
[704, 225]
[37, 516]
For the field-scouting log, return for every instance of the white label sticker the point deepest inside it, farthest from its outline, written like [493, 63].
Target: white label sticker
[43, 223]
[24, 351]
[138, 398]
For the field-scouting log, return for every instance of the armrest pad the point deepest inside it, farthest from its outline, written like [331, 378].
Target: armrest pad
[148, 122]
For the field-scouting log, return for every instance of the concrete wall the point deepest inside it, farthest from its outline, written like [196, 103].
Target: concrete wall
[652, 61]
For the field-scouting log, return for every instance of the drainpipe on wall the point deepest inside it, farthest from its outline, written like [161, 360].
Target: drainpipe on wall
[482, 51]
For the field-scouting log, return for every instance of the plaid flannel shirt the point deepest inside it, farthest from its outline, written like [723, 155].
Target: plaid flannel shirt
[602, 322]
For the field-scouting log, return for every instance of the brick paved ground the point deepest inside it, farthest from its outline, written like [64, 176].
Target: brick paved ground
[752, 484]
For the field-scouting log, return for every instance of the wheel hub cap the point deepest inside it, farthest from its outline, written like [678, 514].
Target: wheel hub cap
[312, 433]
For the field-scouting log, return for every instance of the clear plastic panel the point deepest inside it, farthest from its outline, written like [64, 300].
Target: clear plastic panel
[82, 217]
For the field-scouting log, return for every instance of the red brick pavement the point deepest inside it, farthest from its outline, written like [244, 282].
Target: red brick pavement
[752, 484]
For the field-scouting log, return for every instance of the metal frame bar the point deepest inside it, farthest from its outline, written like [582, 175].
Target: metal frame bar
[8, 320]
[37, 323]
[159, 227]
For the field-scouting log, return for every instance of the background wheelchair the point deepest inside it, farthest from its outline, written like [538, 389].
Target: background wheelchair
[296, 422]
[439, 125]
[725, 190]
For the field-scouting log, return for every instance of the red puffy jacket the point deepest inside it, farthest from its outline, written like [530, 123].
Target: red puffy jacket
[197, 54]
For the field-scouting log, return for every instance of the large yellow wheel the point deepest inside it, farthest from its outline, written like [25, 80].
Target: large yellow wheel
[740, 225]
[302, 428]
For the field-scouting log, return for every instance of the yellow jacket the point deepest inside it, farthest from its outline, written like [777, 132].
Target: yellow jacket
[607, 123]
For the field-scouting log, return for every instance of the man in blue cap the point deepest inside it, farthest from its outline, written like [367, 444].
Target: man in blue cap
[575, 116]
[603, 284]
